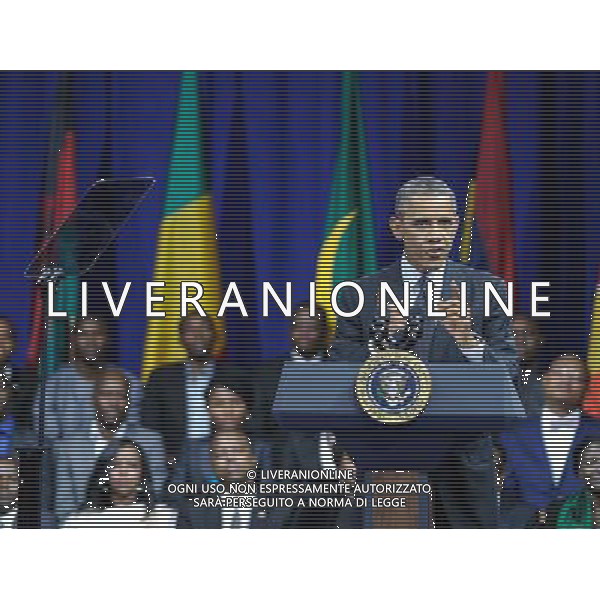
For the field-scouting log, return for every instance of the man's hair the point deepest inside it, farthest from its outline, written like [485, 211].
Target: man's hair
[425, 187]
[320, 317]
[197, 315]
[579, 450]
[553, 358]
[107, 371]
[79, 321]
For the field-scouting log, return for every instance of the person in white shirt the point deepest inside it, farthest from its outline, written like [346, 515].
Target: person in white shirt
[76, 454]
[224, 460]
[175, 394]
[120, 492]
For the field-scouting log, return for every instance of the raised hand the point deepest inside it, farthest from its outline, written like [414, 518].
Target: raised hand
[459, 327]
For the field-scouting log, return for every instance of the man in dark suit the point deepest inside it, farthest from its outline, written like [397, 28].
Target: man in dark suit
[175, 395]
[19, 385]
[426, 221]
[539, 451]
[309, 336]
[225, 458]
[529, 343]
[75, 454]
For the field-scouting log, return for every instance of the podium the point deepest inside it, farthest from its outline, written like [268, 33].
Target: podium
[466, 400]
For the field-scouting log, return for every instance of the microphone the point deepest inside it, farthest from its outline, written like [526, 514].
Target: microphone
[379, 334]
[405, 339]
[413, 331]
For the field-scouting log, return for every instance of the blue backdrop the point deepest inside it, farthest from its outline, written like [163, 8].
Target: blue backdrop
[270, 147]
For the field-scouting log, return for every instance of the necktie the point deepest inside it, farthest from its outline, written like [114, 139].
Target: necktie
[419, 307]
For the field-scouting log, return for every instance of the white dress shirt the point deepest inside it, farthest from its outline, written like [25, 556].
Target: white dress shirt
[197, 381]
[558, 433]
[413, 275]
[241, 516]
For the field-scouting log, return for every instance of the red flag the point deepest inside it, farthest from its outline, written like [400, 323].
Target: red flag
[493, 196]
[56, 209]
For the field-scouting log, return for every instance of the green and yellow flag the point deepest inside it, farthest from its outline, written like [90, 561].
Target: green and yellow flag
[187, 242]
[348, 250]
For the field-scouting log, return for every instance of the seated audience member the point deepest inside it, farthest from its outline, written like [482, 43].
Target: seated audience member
[120, 492]
[539, 450]
[22, 382]
[529, 341]
[175, 395]
[318, 452]
[582, 509]
[225, 458]
[69, 405]
[227, 408]
[76, 453]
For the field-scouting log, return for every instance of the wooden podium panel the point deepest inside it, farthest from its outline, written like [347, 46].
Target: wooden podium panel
[399, 508]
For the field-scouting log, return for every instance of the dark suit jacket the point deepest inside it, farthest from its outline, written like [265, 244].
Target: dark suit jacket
[528, 484]
[266, 379]
[531, 391]
[164, 405]
[194, 466]
[352, 335]
[302, 452]
[24, 382]
[75, 459]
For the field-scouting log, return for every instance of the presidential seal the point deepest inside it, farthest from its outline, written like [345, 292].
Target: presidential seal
[393, 386]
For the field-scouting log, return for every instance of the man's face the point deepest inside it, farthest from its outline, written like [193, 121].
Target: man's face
[232, 456]
[565, 383]
[427, 226]
[307, 333]
[227, 409]
[9, 481]
[125, 471]
[89, 340]
[111, 400]
[527, 338]
[7, 342]
[198, 337]
[589, 468]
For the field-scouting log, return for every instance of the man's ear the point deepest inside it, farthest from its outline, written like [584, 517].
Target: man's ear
[395, 225]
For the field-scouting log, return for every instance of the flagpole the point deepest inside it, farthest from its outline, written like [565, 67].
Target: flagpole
[466, 238]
